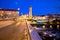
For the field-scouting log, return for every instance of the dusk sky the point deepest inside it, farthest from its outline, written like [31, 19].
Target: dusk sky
[40, 7]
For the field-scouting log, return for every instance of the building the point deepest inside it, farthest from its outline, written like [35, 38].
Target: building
[30, 12]
[8, 13]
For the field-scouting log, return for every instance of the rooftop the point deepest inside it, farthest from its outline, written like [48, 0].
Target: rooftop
[8, 9]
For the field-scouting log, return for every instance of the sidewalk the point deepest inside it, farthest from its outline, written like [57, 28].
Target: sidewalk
[5, 23]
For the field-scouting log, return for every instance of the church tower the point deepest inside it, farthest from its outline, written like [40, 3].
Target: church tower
[30, 12]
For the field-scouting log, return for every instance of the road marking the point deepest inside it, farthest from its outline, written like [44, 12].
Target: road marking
[18, 23]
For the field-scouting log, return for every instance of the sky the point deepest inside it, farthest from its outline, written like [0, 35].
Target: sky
[39, 7]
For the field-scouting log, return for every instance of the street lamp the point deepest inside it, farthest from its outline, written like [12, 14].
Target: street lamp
[18, 10]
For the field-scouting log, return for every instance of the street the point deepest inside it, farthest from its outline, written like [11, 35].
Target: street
[15, 31]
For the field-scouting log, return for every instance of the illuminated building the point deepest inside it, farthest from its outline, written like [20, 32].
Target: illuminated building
[8, 13]
[30, 12]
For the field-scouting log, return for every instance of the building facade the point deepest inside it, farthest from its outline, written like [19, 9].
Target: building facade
[8, 13]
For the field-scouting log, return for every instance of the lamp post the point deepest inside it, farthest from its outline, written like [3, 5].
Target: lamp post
[18, 10]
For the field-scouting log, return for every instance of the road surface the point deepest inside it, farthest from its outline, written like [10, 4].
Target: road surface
[16, 31]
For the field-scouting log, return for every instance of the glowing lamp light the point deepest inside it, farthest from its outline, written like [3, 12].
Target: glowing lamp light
[18, 8]
[57, 26]
[44, 17]
[50, 26]
[43, 26]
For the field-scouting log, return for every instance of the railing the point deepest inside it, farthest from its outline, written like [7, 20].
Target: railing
[32, 33]
[28, 34]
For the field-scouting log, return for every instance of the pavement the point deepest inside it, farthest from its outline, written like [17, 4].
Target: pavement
[6, 23]
[15, 31]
